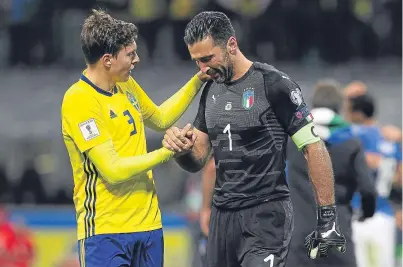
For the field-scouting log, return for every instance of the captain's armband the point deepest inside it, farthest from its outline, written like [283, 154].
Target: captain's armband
[305, 136]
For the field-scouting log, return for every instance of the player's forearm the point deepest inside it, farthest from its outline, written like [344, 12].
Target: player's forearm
[208, 182]
[195, 160]
[321, 173]
[208, 191]
[190, 162]
[115, 169]
[173, 108]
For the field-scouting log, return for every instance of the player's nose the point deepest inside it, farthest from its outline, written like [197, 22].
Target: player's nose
[136, 60]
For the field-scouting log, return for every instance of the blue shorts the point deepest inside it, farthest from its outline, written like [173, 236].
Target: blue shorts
[142, 249]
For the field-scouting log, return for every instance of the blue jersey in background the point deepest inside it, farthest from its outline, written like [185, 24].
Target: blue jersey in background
[390, 156]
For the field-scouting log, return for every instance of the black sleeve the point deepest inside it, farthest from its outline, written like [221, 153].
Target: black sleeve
[285, 97]
[200, 120]
[365, 183]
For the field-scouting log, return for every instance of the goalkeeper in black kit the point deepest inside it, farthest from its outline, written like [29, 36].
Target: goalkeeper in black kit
[246, 114]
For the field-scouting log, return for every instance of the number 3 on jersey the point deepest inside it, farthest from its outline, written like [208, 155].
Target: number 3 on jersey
[130, 121]
[227, 129]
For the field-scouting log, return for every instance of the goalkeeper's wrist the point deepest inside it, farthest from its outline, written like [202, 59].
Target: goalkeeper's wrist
[327, 213]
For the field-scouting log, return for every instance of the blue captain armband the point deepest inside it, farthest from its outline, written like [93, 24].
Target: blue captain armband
[305, 136]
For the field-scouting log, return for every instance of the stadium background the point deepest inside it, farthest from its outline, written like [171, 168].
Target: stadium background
[40, 57]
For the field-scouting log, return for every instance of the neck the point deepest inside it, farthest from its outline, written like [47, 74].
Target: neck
[241, 66]
[100, 78]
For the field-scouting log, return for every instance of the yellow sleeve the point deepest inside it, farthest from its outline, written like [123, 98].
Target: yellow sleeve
[147, 106]
[115, 169]
[83, 121]
[163, 116]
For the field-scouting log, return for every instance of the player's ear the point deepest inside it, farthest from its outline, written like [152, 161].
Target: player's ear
[232, 45]
[106, 60]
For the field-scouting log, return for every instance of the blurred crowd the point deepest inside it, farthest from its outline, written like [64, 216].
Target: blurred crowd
[29, 189]
[41, 32]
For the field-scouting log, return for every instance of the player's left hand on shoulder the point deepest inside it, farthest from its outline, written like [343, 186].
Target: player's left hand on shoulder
[327, 234]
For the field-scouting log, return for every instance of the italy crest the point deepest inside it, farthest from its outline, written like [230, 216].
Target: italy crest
[248, 98]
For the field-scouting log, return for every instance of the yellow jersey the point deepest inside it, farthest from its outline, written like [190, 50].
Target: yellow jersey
[92, 116]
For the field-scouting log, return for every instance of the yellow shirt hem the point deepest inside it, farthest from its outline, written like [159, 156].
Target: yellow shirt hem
[120, 231]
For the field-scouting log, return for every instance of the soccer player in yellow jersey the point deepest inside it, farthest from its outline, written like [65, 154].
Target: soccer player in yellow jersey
[103, 117]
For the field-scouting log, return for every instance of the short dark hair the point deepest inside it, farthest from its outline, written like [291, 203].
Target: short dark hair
[209, 23]
[328, 95]
[101, 34]
[364, 103]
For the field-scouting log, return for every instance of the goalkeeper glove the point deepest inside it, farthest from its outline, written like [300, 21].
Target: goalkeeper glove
[326, 235]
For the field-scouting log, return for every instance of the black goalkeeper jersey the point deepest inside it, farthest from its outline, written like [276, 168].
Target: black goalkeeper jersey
[248, 122]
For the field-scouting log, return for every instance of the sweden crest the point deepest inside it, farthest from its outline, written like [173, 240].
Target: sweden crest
[133, 101]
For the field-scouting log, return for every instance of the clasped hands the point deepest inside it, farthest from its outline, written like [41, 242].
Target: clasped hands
[178, 140]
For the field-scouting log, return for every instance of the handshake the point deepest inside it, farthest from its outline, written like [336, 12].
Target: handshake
[180, 141]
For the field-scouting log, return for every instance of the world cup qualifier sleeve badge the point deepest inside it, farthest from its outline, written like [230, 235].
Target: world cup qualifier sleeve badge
[248, 98]
[296, 97]
[133, 101]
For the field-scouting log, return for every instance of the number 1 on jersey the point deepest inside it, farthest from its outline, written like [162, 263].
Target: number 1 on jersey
[270, 258]
[227, 129]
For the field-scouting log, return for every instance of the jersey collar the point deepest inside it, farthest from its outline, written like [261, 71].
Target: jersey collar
[99, 90]
[250, 70]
